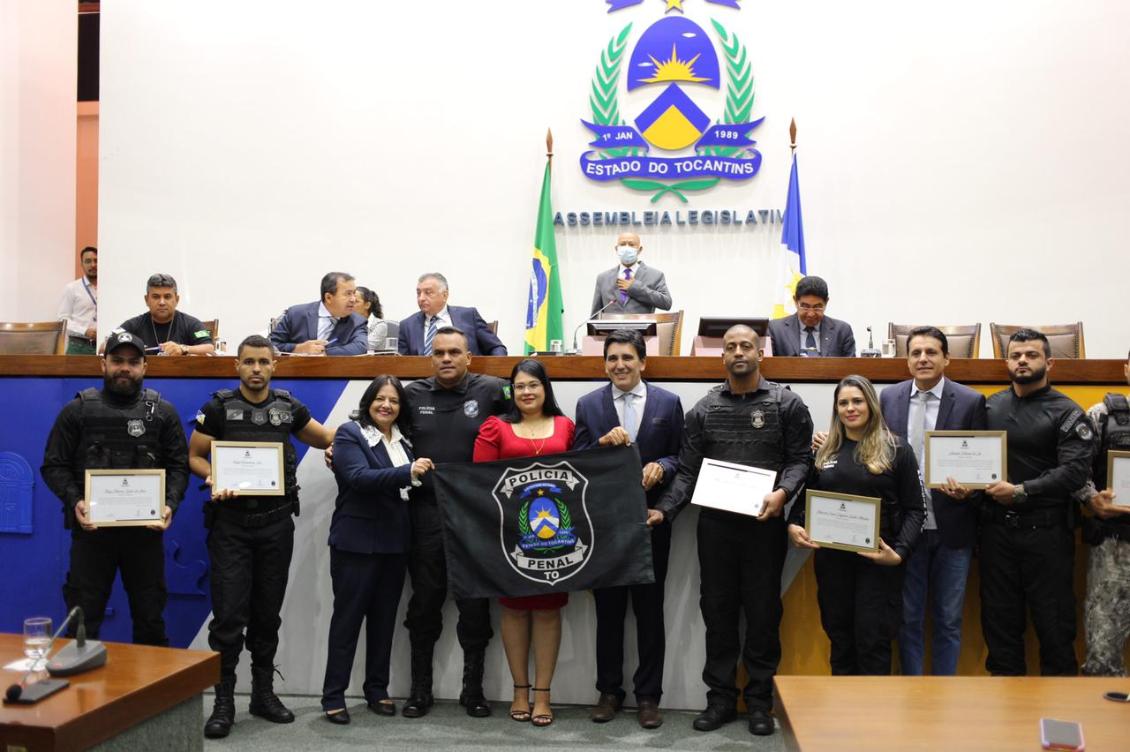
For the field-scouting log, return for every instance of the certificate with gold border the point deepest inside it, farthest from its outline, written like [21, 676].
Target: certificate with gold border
[1118, 476]
[975, 459]
[254, 468]
[124, 497]
[842, 521]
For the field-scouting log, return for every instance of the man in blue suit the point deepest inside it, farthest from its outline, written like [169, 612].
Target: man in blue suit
[418, 330]
[939, 566]
[326, 327]
[629, 410]
[810, 332]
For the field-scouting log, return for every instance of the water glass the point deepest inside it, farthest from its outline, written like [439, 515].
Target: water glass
[37, 637]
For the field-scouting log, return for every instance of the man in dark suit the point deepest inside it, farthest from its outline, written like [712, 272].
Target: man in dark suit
[632, 286]
[418, 330]
[810, 332]
[629, 410]
[939, 566]
[326, 327]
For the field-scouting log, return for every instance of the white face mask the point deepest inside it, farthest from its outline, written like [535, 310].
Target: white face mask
[628, 254]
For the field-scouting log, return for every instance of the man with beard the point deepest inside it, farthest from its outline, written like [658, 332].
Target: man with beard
[120, 426]
[750, 421]
[250, 537]
[1027, 534]
[79, 306]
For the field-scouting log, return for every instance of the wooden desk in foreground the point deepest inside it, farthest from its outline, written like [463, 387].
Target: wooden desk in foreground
[138, 684]
[876, 713]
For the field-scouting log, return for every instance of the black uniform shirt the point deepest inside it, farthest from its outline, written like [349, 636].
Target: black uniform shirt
[745, 421]
[1050, 442]
[183, 329]
[64, 470]
[904, 500]
[445, 422]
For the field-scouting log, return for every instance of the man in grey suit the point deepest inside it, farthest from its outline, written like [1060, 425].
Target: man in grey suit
[810, 332]
[632, 287]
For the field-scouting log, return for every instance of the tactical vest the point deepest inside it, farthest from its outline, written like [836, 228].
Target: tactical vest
[1115, 432]
[272, 421]
[117, 437]
[748, 431]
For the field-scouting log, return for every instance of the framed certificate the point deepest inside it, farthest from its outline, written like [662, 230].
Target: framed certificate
[842, 521]
[733, 487]
[975, 459]
[120, 498]
[248, 467]
[1118, 476]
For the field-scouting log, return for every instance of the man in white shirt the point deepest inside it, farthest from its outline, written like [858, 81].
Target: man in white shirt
[79, 306]
[631, 287]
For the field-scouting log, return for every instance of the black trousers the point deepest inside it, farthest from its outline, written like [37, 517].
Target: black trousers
[741, 562]
[367, 588]
[1028, 571]
[428, 570]
[96, 557]
[249, 571]
[647, 605]
[860, 609]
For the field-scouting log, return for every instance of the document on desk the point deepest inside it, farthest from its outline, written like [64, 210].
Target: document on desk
[733, 487]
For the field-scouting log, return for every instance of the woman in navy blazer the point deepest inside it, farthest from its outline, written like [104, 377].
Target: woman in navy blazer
[369, 535]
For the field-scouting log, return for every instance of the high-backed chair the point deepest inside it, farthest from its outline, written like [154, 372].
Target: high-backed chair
[668, 328]
[493, 326]
[213, 327]
[34, 338]
[1066, 340]
[964, 340]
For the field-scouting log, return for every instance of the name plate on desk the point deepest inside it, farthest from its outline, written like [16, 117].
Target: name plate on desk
[1118, 476]
[975, 459]
[733, 487]
[248, 467]
[842, 521]
[120, 498]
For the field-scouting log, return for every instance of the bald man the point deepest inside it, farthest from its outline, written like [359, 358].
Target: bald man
[753, 422]
[631, 287]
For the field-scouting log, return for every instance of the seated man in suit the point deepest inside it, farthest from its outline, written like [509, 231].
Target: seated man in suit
[810, 332]
[164, 330]
[326, 327]
[630, 410]
[631, 287]
[418, 330]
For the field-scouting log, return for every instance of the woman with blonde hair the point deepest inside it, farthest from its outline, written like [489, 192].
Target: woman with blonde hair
[860, 594]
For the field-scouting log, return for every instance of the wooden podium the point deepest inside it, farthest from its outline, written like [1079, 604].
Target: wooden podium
[598, 329]
[140, 686]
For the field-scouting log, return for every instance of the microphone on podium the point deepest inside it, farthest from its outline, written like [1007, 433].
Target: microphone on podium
[577, 331]
[870, 351]
[81, 655]
[27, 693]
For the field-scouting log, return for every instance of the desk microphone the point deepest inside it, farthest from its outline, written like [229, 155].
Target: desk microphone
[590, 318]
[81, 655]
[23, 692]
[870, 351]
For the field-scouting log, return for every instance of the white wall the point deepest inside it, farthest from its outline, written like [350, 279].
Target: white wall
[957, 165]
[38, 90]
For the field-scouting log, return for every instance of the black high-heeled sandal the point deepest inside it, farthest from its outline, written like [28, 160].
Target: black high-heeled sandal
[522, 716]
[542, 719]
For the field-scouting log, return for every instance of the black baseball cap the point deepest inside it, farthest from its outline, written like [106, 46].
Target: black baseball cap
[124, 339]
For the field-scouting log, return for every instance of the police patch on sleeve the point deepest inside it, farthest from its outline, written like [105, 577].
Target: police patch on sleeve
[199, 417]
[1083, 431]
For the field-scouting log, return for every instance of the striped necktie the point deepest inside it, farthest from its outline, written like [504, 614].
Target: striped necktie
[429, 336]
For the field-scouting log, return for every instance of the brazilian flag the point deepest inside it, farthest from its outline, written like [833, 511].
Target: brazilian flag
[543, 313]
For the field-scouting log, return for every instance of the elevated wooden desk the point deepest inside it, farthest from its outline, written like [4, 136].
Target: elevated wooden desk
[138, 683]
[876, 713]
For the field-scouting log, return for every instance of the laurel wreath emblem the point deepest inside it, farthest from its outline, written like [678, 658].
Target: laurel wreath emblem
[604, 102]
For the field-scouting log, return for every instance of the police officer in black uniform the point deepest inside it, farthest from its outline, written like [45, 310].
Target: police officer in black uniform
[1106, 615]
[751, 421]
[123, 425]
[250, 538]
[1027, 534]
[446, 411]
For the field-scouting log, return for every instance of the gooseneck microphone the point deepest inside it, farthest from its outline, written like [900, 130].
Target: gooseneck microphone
[593, 316]
[17, 692]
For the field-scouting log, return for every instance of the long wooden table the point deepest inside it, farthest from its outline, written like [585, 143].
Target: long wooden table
[137, 683]
[903, 713]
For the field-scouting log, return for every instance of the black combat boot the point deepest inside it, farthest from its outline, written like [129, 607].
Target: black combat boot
[264, 702]
[220, 722]
[472, 695]
[420, 698]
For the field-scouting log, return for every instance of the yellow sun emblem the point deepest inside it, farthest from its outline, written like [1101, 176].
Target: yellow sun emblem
[673, 69]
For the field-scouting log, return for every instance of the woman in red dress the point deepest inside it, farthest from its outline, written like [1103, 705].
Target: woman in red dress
[533, 426]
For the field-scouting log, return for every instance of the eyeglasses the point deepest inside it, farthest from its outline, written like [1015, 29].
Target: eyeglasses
[529, 386]
[818, 308]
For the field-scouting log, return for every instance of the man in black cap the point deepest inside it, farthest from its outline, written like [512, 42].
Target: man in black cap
[121, 426]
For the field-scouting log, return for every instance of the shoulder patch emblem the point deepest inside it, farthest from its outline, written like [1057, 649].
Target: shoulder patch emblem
[135, 427]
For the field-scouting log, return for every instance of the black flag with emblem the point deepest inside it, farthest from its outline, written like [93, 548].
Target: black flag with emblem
[537, 525]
